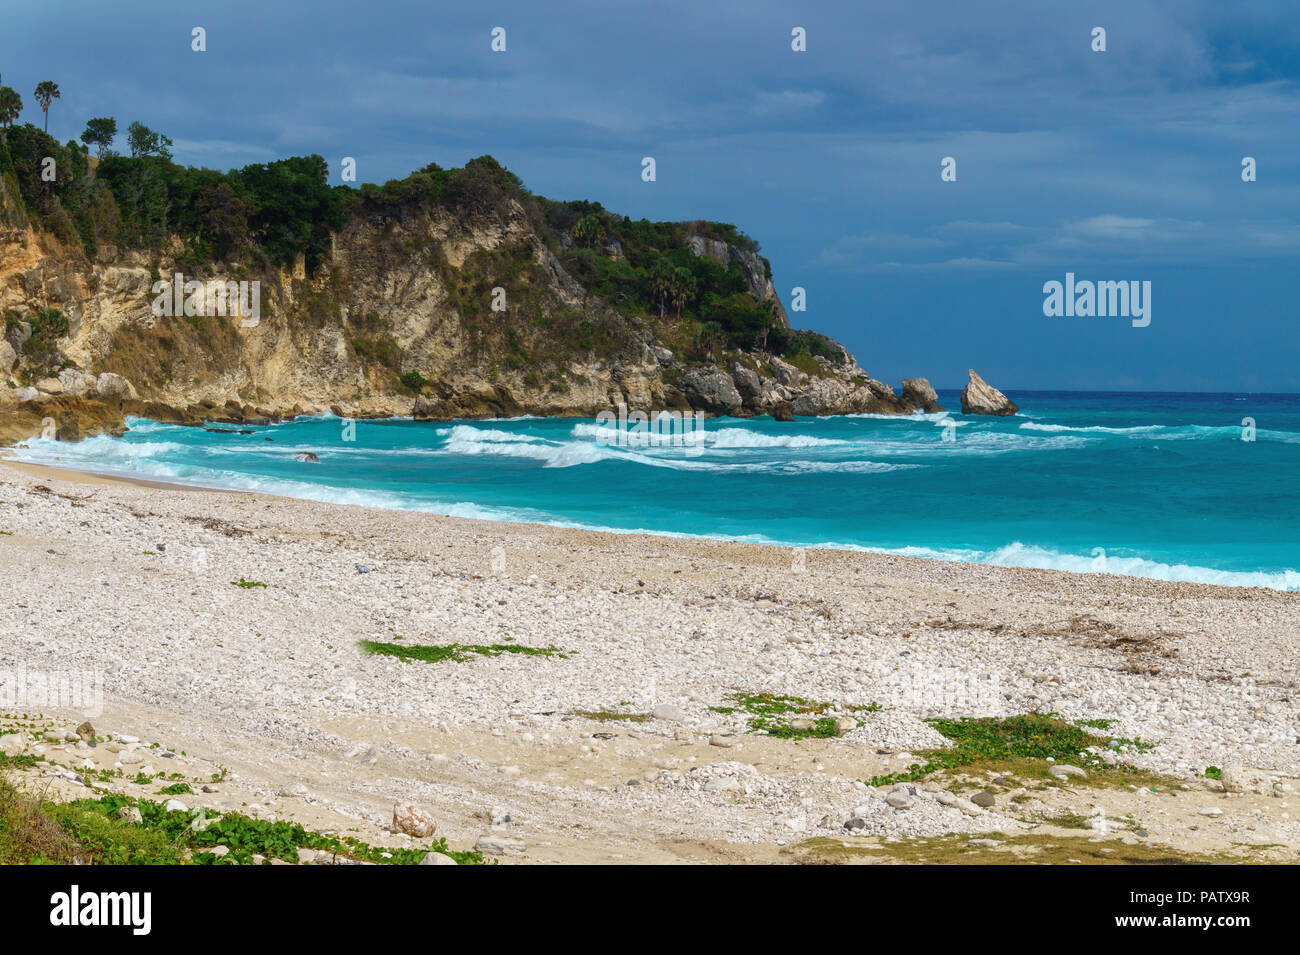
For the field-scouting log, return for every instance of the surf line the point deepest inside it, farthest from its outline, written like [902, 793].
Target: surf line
[656, 429]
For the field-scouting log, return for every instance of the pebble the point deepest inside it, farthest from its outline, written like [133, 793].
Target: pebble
[1065, 770]
[669, 713]
[957, 802]
[499, 844]
[437, 858]
[899, 799]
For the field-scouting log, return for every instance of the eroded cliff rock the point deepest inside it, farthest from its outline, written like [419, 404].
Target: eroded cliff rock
[431, 308]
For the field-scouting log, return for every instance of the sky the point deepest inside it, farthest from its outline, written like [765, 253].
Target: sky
[1122, 165]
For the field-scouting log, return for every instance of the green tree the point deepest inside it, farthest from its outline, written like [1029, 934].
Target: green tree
[100, 133]
[671, 288]
[587, 230]
[47, 91]
[296, 209]
[710, 338]
[223, 217]
[11, 104]
[143, 141]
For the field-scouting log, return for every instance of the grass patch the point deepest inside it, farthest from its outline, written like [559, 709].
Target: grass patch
[1097, 724]
[773, 715]
[1016, 744]
[458, 652]
[248, 584]
[88, 830]
[1035, 849]
[21, 761]
[1068, 820]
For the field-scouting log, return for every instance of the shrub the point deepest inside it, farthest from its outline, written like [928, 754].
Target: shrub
[414, 381]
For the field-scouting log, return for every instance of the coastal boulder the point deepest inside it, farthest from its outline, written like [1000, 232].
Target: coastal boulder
[747, 383]
[822, 396]
[49, 386]
[920, 394]
[69, 429]
[113, 387]
[711, 389]
[76, 382]
[979, 397]
[412, 820]
[8, 357]
[425, 409]
[786, 373]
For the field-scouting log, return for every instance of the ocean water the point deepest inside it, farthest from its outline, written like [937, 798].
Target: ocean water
[1153, 485]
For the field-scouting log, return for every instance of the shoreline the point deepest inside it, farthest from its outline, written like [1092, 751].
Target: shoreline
[78, 476]
[134, 582]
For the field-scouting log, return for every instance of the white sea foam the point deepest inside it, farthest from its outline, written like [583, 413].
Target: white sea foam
[1017, 554]
[100, 450]
[465, 432]
[736, 438]
[1168, 431]
[917, 416]
[1096, 428]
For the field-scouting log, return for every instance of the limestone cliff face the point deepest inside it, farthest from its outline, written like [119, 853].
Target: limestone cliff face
[755, 269]
[417, 310]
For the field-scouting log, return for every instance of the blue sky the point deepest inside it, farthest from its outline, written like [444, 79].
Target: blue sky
[1122, 165]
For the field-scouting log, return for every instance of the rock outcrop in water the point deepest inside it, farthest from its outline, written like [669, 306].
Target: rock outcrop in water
[439, 297]
[919, 393]
[979, 397]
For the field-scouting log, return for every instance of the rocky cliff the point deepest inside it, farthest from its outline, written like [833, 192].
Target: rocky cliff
[430, 297]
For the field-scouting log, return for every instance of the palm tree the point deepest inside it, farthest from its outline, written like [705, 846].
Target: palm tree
[682, 289]
[661, 287]
[711, 337]
[47, 92]
[587, 230]
[11, 104]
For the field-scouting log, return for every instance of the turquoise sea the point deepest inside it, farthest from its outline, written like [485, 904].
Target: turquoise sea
[1154, 485]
